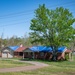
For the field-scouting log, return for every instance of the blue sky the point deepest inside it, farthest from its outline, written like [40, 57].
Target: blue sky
[15, 15]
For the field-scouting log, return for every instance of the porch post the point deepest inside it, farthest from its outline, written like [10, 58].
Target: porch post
[7, 54]
[45, 55]
[18, 54]
[23, 55]
[33, 55]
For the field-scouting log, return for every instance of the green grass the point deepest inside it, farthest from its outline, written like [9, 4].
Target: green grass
[10, 63]
[54, 68]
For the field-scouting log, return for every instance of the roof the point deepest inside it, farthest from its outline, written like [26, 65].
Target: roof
[13, 47]
[61, 49]
[20, 49]
[41, 49]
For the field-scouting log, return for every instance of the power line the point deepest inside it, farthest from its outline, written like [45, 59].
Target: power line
[13, 14]
[16, 15]
[64, 4]
[23, 12]
[19, 14]
[13, 24]
[16, 20]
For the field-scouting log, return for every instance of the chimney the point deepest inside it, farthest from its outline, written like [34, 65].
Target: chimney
[21, 45]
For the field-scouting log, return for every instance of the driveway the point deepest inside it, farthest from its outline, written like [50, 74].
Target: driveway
[36, 65]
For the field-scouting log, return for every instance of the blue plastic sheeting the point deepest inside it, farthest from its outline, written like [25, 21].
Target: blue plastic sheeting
[14, 47]
[61, 49]
[41, 49]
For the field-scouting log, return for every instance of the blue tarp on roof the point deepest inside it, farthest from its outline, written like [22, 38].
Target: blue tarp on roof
[61, 49]
[41, 49]
[14, 47]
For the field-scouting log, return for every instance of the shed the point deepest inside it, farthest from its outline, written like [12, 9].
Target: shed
[8, 52]
[38, 52]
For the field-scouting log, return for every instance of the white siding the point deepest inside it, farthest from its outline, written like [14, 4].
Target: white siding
[10, 55]
[4, 55]
[7, 53]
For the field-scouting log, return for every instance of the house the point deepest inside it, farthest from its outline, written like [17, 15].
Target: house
[38, 52]
[8, 52]
[19, 52]
[63, 53]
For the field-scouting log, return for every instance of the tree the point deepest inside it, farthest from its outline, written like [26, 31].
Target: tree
[52, 27]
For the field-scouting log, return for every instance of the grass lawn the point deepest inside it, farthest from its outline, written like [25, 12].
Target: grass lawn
[11, 63]
[54, 68]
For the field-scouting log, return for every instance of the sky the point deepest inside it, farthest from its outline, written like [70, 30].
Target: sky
[16, 15]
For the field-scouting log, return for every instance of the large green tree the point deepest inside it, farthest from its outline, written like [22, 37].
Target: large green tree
[52, 27]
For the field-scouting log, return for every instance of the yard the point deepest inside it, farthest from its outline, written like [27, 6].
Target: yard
[9, 63]
[54, 68]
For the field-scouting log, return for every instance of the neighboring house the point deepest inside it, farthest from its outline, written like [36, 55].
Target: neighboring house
[19, 51]
[38, 52]
[63, 53]
[8, 52]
